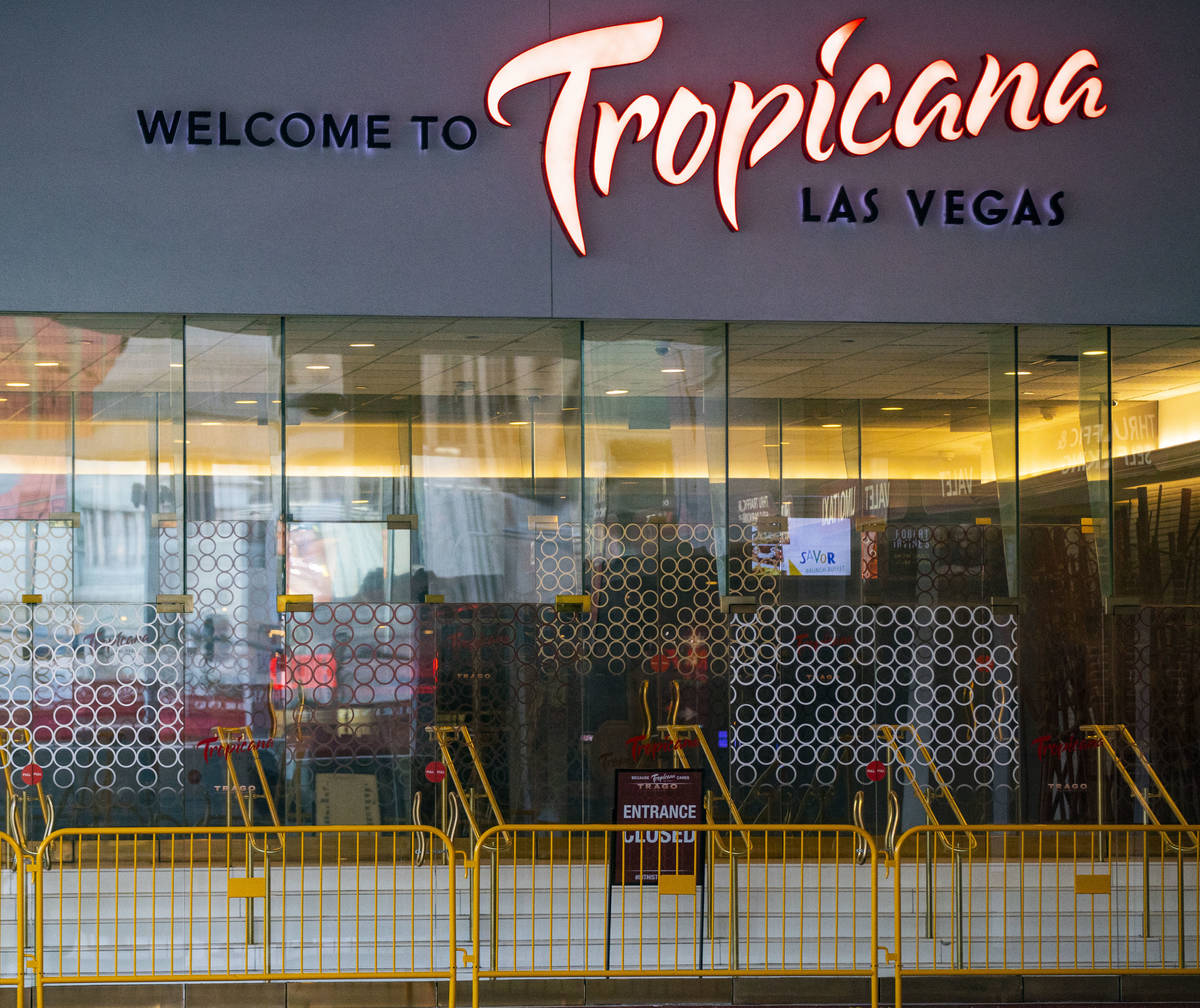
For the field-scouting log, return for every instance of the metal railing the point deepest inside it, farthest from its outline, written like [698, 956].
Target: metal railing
[16, 805]
[892, 736]
[274, 903]
[444, 736]
[13, 912]
[1108, 737]
[568, 907]
[353, 903]
[1047, 900]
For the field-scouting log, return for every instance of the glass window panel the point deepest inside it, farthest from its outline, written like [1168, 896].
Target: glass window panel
[889, 451]
[1155, 433]
[1063, 415]
[430, 459]
[655, 487]
[1155, 618]
[232, 639]
[464, 432]
[875, 466]
[91, 409]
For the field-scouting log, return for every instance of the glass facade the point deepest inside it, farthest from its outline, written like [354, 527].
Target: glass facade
[800, 531]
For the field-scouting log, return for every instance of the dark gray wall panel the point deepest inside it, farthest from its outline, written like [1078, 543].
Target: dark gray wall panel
[95, 220]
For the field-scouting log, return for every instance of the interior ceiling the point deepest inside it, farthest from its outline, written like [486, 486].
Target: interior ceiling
[118, 357]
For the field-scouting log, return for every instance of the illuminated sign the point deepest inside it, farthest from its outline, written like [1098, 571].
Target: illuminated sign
[917, 114]
[204, 128]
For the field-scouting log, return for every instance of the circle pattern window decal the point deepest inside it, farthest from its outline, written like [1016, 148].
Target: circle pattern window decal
[828, 675]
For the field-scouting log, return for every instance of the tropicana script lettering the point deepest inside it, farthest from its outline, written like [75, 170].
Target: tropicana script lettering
[213, 744]
[643, 745]
[1047, 746]
[951, 116]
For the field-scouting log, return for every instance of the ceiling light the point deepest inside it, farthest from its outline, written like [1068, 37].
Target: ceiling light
[362, 501]
[1094, 353]
[45, 363]
[317, 367]
[891, 409]
[17, 384]
[831, 425]
[672, 370]
[2, 399]
[1013, 374]
[617, 391]
[518, 423]
[359, 346]
[176, 365]
[210, 423]
[245, 402]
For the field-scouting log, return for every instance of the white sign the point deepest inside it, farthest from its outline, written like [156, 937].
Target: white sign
[817, 547]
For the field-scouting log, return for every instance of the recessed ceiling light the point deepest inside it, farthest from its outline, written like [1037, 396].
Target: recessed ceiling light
[1013, 374]
[359, 346]
[1094, 353]
[831, 425]
[176, 365]
[245, 402]
[317, 367]
[45, 363]
[361, 501]
[518, 423]
[17, 384]
[672, 370]
[891, 409]
[210, 423]
[617, 391]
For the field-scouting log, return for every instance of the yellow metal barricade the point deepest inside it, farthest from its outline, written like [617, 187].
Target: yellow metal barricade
[799, 905]
[13, 900]
[1047, 900]
[276, 903]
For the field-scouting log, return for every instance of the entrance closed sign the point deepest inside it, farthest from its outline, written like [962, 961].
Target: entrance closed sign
[665, 806]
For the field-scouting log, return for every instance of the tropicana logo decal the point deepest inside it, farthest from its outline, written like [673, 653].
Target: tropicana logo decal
[950, 117]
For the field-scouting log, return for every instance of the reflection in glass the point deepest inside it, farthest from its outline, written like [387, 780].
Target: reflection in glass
[806, 530]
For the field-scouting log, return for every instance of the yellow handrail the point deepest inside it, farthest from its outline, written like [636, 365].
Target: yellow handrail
[1101, 733]
[443, 735]
[10, 738]
[891, 738]
[226, 736]
[674, 730]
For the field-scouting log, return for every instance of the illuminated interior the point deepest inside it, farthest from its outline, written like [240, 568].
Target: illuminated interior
[507, 462]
